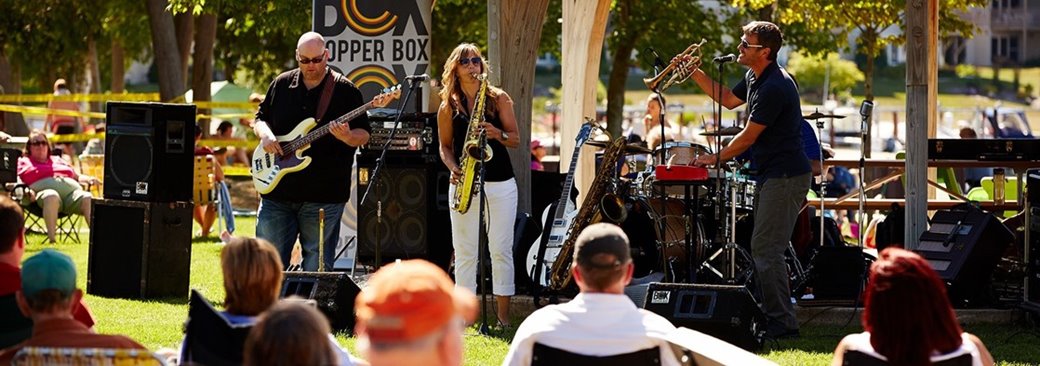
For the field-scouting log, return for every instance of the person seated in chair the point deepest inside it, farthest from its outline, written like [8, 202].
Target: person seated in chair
[601, 320]
[49, 296]
[290, 333]
[907, 317]
[206, 214]
[55, 186]
[15, 327]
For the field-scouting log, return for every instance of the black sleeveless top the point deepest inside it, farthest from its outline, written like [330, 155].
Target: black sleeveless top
[499, 169]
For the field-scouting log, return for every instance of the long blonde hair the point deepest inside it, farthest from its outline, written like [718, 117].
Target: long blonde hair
[450, 89]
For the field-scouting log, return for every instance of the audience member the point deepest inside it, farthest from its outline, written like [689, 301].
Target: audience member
[412, 314]
[652, 121]
[907, 316]
[232, 154]
[537, 153]
[206, 214]
[59, 124]
[290, 333]
[601, 320]
[15, 326]
[973, 176]
[49, 296]
[54, 183]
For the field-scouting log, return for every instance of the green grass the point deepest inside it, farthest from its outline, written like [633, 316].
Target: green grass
[158, 323]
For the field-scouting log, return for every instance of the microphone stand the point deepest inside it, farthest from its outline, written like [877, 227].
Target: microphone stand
[823, 174]
[482, 239]
[374, 178]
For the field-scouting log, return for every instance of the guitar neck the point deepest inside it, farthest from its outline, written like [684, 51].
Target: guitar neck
[569, 183]
[323, 130]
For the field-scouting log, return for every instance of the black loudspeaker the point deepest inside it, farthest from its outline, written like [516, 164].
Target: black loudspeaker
[413, 194]
[838, 273]
[333, 291]
[963, 245]
[726, 312]
[139, 249]
[149, 150]
[1032, 290]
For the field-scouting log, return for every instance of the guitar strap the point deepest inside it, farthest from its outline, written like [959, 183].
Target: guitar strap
[326, 94]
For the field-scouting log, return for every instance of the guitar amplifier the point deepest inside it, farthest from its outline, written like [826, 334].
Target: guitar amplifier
[416, 133]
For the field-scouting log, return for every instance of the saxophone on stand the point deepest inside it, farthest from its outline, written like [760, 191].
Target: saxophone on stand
[471, 154]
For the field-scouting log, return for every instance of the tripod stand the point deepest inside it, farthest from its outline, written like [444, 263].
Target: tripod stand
[730, 250]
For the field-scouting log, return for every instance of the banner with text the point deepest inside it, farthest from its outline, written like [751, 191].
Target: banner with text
[377, 44]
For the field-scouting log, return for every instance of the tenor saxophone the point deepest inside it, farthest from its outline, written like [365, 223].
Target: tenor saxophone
[599, 204]
[471, 154]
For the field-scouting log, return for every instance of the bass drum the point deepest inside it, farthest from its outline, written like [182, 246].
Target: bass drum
[648, 239]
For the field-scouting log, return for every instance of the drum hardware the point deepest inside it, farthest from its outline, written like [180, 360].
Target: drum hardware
[632, 148]
[725, 131]
[816, 116]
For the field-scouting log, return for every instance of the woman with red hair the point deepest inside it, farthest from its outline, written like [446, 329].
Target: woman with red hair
[908, 318]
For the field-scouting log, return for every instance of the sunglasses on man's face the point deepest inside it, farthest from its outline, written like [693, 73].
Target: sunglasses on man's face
[467, 61]
[744, 43]
[305, 61]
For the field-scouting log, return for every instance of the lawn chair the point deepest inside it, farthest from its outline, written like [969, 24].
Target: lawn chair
[32, 356]
[67, 223]
[545, 355]
[209, 338]
[860, 358]
[207, 190]
[94, 166]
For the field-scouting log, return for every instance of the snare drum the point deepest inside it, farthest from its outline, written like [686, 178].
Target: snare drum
[680, 153]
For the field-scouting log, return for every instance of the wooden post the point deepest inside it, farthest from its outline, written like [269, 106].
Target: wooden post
[514, 32]
[922, 27]
[584, 27]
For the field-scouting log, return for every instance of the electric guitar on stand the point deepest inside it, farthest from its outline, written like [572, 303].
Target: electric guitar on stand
[268, 169]
[556, 221]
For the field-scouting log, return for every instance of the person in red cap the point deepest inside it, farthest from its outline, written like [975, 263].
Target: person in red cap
[601, 320]
[537, 153]
[412, 314]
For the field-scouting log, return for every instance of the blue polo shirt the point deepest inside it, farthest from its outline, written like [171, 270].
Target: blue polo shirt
[773, 101]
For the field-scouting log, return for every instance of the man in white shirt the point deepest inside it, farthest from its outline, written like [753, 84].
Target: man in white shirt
[601, 320]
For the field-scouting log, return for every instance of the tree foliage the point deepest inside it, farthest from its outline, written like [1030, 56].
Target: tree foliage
[811, 71]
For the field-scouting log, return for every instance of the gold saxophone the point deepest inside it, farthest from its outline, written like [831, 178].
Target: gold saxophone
[599, 204]
[471, 152]
[676, 72]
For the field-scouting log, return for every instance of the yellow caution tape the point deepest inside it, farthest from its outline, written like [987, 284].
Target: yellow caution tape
[211, 143]
[43, 98]
[235, 171]
[45, 111]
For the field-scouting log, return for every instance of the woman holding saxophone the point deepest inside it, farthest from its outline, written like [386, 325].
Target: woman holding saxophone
[459, 123]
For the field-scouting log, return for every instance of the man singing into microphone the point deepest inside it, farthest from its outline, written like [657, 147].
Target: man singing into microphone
[772, 133]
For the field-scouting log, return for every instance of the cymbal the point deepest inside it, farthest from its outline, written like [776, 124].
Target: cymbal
[629, 148]
[818, 115]
[725, 131]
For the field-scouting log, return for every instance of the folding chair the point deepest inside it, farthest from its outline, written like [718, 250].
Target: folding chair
[209, 338]
[94, 166]
[31, 356]
[67, 223]
[9, 165]
[545, 355]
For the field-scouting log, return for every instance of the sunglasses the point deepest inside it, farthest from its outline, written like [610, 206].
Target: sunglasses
[474, 60]
[37, 143]
[745, 44]
[316, 60]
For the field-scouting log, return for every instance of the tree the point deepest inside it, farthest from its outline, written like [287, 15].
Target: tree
[811, 71]
[164, 44]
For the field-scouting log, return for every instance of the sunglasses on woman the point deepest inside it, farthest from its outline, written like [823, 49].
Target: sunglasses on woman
[37, 143]
[467, 61]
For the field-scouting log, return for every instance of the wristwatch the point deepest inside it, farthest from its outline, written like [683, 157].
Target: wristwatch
[505, 136]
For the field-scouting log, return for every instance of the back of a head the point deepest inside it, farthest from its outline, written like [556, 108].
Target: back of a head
[906, 309]
[48, 282]
[224, 127]
[601, 253]
[12, 224]
[252, 271]
[290, 333]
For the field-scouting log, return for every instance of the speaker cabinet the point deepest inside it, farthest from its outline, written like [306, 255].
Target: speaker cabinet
[333, 291]
[726, 312]
[1032, 285]
[963, 245]
[413, 196]
[139, 249]
[838, 273]
[149, 149]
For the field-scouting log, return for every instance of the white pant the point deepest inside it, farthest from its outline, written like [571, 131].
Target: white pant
[499, 215]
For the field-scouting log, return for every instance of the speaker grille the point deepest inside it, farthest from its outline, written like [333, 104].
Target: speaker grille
[402, 233]
[129, 159]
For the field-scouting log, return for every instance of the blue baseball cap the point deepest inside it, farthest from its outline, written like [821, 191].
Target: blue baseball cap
[48, 270]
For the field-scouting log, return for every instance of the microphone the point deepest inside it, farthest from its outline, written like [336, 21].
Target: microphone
[657, 58]
[865, 111]
[724, 59]
[420, 77]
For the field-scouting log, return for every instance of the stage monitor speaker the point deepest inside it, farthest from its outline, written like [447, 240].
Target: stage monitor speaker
[838, 273]
[149, 150]
[413, 196]
[726, 312]
[334, 293]
[139, 249]
[963, 245]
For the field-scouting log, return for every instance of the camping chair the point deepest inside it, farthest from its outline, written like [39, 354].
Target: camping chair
[30, 356]
[9, 165]
[67, 223]
[209, 338]
[206, 190]
[94, 166]
[545, 355]
[944, 175]
[859, 358]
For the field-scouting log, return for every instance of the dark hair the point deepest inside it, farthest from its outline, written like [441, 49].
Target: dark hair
[37, 133]
[600, 278]
[49, 300]
[768, 34]
[252, 275]
[224, 126]
[906, 309]
[290, 333]
[12, 223]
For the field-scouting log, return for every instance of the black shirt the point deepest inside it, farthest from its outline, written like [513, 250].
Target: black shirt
[288, 102]
[499, 169]
[773, 101]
